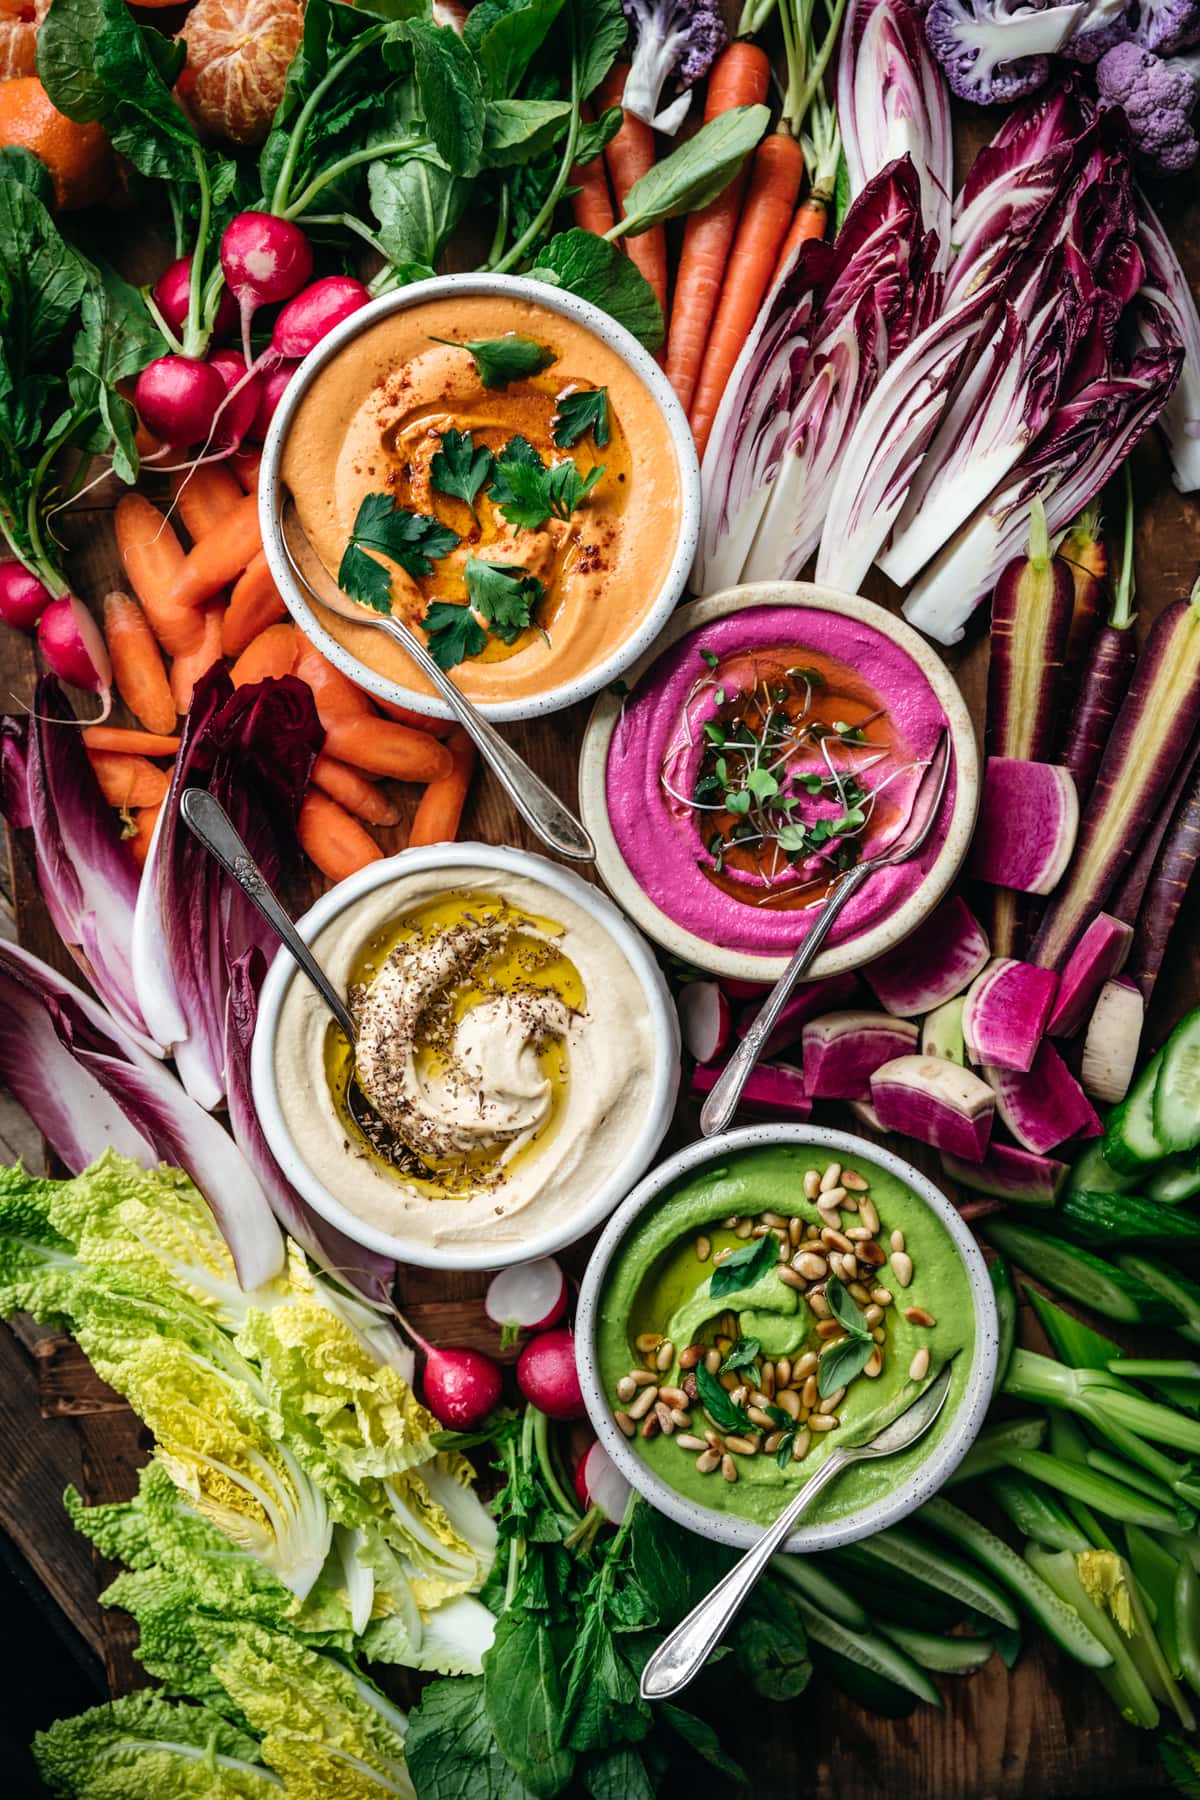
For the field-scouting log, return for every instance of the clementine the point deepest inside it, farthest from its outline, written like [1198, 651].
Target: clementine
[238, 57]
[19, 21]
[78, 157]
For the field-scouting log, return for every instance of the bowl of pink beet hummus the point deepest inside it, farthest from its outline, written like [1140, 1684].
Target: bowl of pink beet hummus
[775, 736]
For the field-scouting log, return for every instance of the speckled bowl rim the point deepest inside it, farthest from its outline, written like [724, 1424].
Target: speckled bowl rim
[745, 965]
[664, 1079]
[942, 1460]
[618, 339]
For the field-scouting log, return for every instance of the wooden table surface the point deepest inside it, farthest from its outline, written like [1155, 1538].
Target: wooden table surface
[1046, 1729]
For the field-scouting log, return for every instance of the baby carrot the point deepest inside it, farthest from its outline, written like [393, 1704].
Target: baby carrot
[740, 77]
[629, 156]
[591, 204]
[152, 556]
[386, 749]
[440, 811]
[271, 653]
[187, 670]
[419, 721]
[127, 781]
[245, 465]
[333, 692]
[254, 604]
[338, 844]
[355, 791]
[221, 555]
[203, 495]
[144, 821]
[135, 743]
[137, 663]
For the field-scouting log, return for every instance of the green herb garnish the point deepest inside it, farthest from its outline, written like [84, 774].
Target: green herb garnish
[501, 360]
[528, 491]
[744, 1266]
[504, 593]
[410, 539]
[851, 1354]
[744, 1355]
[581, 412]
[461, 467]
[726, 1416]
[453, 633]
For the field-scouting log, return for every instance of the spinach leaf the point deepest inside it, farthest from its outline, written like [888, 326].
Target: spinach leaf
[418, 203]
[97, 63]
[115, 341]
[460, 467]
[504, 593]
[586, 265]
[721, 1409]
[770, 1647]
[505, 35]
[19, 164]
[601, 1705]
[524, 1702]
[43, 280]
[514, 131]
[578, 413]
[451, 94]
[744, 1266]
[501, 360]
[454, 633]
[699, 1735]
[330, 83]
[697, 171]
[618, 1774]
[449, 1747]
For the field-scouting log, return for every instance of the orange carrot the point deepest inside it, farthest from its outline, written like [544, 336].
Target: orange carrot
[774, 186]
[629, 156]
[440, 811]
[810, 221]
[129, 780]
[137, 663]
[133, 743]
[219, 557]
[245, 465]
[336, 696]
[152, 556]
[203, 495]
[386, 749]
[271, 653]
[337, 843]
[254, 604]
[355, 791]
[144, 820]
[419, 721]
[187, 670]
[740, 77]
[591, 206]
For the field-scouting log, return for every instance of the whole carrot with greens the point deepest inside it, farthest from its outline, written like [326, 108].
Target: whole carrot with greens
[822, 154]
[629, 156]
[591, 202]
[1086, 555]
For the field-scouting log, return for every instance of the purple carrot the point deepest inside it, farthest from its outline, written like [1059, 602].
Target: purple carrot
[1083, 550]
[1126, 903]
[1174, 869]
[1106, 672]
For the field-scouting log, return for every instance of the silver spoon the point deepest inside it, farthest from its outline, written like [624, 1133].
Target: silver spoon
[683, 1654]
[721, 1103]
[545, 814]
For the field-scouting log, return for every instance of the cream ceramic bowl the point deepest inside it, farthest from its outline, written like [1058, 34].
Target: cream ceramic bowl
[644, 1139]
[865, 946]
[946, 1453]
[615, 336]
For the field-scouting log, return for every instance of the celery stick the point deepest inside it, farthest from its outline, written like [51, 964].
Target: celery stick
[990, 1449]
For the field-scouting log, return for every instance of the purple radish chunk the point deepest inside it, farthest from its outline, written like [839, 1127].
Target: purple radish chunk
[73, 648]
[1031, 621]
[866, 1115]
[312, 314]
[772, 1090]
[1028, 822]
[1100, 954]
[942, 1033]
[1110, 1044]
[1010, 1173]
[529, 1296]
[548, 1377]
[935, 1102]
[806, 1003]
[599, 1483]
[842, 1050]
[1006, 1010]
[1045, 1106]
[23, 598]
[705, 1020]
[933, 964]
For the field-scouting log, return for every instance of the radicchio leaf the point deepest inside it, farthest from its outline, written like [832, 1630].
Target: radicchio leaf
[1167, 290]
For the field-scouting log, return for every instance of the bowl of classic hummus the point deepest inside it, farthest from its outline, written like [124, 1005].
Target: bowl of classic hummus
[764, 1296]
[774, 736]
[505, 467]
[517, 1050]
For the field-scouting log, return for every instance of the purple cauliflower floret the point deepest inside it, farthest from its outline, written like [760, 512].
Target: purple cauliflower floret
[1158, 98]
[1106, 24]
[996, 51]
[1165, 26]
[675, 43]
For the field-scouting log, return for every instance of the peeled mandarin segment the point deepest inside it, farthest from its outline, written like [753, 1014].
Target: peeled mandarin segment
[238, 57]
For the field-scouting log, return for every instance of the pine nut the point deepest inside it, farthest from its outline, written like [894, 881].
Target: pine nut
[831, 1402]
[651, 1427]
[662, 1413]
[788, 1401]
[854, 1181]
[837, 1238]
[758, 1398]
[810, 1232]
[897, 1240]
[773, 1218]
[881, 1296]
[714, 1440]
[809, 1396]
[743, 1228]
[722, 1256]
[819, 1305]
[783, 1373]
[687, 1441]
[768, 1380]
[831, 1177]
[761, 1231]
[835, 1263]
[858, 1234]
[772, 1442]
[682, 1417]
[760, 1417]
[729, 1325]
[728, 1380]
[672, 1396]
[810, 1265]
[666, 1356]
[641, 1406]
[703, 1249]
[812, 1184]
[625, 1424]
[724, 1344]
[830, 1216]
[785, 1248]
[917, 1315]
[874, 1364]
[832, 1198]
[649, 1340]
[869, 1216]
[742, 1446]
[740, 1394]
[800, 1444]
[849, 1268]
[729, 1224]
[804, 1365]
[829, 1328]
[729, 1468]
[848, 1203]
[626, 1388]
[643, 1377]
[712, 1361]
[871, 1255]
[691, 1356]
[879, 1334]
[858, 1292]
[790, 1278]
[902, 1267]
[822, 1422]
[795, 1230]
[708, 1461]
[918, 1368]
[873, 1314]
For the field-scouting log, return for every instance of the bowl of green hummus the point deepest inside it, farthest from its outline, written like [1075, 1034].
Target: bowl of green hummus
[764, 1295]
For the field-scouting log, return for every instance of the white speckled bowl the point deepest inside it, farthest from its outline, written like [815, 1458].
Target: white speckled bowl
[945, 1455]
[556, 300]
[865, 946]
[645, 1136]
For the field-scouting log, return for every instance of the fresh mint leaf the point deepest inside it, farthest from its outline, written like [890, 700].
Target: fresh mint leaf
[515, 131]
[845, 1311]
[586, 265]
[578, 413]
[744, 1266]
[842, 1362]
[744, 1355]
[501, 360]
[451, 92]
[504, 593]
[695, 173]
[453, 633]
[523, 1696]
[505, 36]
[719, 1407]
[411, 539]
[460, 468]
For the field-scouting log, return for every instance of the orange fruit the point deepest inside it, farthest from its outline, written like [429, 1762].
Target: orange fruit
[78, 157]
[237, 62]
[19, 21]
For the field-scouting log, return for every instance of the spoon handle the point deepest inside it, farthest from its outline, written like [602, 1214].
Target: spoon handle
[721, 1103]
[207, 819]
[545, 814]
[683, 1654]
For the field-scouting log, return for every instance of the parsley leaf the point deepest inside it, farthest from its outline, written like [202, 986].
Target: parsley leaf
[744, 1266]
[579, 413]
[410, 539]
[528, 492]
[501, 360]
[460, 468]
[719, 1407]
[504, 593]
[453, 633]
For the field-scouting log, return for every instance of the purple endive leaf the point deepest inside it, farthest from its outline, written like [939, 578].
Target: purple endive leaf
[14, 772]
[371, 1275]
[1167, 288]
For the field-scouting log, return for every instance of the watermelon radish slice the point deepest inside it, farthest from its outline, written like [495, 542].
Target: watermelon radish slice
[842, 1050]
[705, 1020]
[772, 1090]
[942, 1033]
[1097, 957]
[1010, 1174]
[1005, 1014]
[938, 960]
[1028, 822]
[1110, 1044]
[935, 1102]
[806, 1003]
[1045, 1106]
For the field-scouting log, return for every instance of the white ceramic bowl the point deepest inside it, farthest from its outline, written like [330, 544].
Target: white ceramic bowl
[864, 946]
[945, 1455]
[644, 1140]
[618, 339]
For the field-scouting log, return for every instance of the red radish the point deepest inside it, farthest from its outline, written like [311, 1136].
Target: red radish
[1045, 1107]
[461, 1386]
[530, 1296]
[1106, 670]
[1010, 1174]
[172, 294]
[304, 321]
[599, 1483]
[935, 1102]
[1028, 823]
[23, 598]
[243, 394]
[705, 1020]
[1005, 1014]
[842, 1050]
[73, 649]
[265, 260]
[547, 1376]
[772, 1090]
[177, 398]
[810, 999]
[1099, 954]
[274, 384]
[933, 964]
[1110, 1044]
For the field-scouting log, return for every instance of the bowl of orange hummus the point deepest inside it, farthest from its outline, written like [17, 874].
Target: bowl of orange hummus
[504, 467]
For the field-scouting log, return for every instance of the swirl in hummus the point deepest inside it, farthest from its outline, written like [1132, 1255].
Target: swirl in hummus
[504, 1053]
